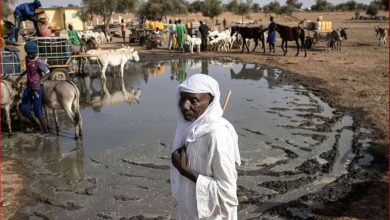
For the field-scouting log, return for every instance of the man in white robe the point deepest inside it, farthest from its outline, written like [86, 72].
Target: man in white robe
[205, 154]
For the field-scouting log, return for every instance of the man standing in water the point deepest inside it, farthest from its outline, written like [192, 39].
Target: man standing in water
[181, 34]
[205, 154]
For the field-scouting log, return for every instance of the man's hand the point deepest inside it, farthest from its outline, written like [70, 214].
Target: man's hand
[46, 76]
[179, 160]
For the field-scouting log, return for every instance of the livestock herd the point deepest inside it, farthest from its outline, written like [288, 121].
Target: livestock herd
[244, 37]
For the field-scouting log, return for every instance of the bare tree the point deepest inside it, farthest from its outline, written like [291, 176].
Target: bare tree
[212, 8]
[106, 8]
[161, 8]
[243, 9]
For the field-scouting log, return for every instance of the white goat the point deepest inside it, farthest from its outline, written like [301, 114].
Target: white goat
[193, 42]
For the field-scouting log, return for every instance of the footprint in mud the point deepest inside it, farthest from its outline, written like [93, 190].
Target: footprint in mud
[105, 216]
[127, 198]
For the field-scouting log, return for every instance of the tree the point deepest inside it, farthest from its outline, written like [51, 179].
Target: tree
[385, 4]
[373, 9]
[243, 9]
[212, 8]
[106, 8]
[272, 7]
[294, 4]
[361, 6]
[196, 6]
[6, 9]
[161, 8]
[322, 5]
[256, 7]
[232, 6]
[286, 9]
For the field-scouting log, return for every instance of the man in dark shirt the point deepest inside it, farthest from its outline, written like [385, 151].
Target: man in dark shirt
[25, 12]
[204, 32]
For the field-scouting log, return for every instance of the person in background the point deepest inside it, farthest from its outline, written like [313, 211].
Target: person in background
[172, 32]
[123, 29]
[205, 154]
[224, 24]
[157, 37]
[181, 34]
[271, 35]
[74, 40]
[37, 72]
[44, 26]
[25, 12]
[204, 32]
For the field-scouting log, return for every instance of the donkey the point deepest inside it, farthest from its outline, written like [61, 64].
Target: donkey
[255, 33]
[63, 94]
[291, 34]
[8, 100]
[383, 35]
[336, 38]
[118, 57]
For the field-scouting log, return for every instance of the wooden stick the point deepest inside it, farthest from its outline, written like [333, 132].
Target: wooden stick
[226, 100]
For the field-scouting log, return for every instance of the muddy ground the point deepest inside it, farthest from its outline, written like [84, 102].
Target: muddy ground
[354, 80]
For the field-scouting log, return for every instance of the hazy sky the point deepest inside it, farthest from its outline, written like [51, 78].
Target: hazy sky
[306, 3]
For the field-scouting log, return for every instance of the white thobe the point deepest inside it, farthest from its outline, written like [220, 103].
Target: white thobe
[214, 195]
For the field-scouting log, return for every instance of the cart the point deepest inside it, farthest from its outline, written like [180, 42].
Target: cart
[139, 35]
[319, 28]
[57, 54]
[312, 43]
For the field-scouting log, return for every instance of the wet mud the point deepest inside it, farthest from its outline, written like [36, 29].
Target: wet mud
[299, 154]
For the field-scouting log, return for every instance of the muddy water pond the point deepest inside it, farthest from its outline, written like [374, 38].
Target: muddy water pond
[291, 143]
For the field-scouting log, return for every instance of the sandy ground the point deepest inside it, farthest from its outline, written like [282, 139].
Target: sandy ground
[354, 79]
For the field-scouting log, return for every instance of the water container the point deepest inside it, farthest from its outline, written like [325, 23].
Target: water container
[161, 25]
[146, 24]
[329, 25]
[319, 27]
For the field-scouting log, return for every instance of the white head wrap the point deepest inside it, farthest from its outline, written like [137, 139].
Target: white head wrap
[187, 132]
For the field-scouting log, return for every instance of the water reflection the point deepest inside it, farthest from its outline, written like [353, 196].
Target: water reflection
[61, 160]
[96, 93]
[180, 69]
[253, 73]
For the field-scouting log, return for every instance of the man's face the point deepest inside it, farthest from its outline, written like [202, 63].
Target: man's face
[192, 105]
